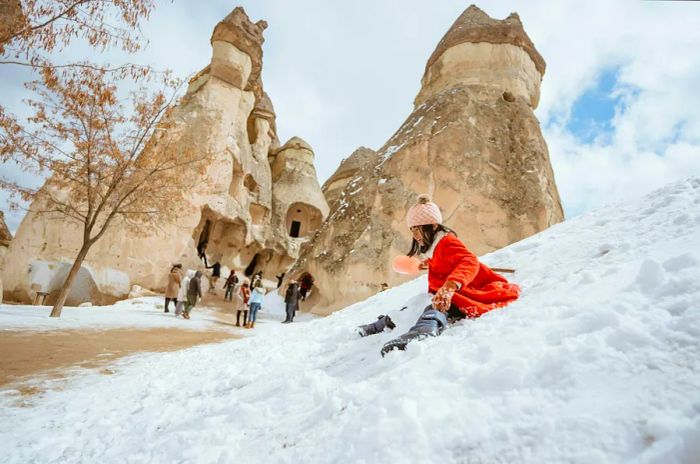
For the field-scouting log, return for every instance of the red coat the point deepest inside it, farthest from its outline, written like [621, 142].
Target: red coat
[482, 289]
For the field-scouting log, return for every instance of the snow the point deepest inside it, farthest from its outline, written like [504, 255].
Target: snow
[598, 362]
[143, 313]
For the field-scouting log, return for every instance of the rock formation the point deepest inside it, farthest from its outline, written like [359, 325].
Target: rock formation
[349, 167]
[472, 142]
[255, 206]
[5, 239]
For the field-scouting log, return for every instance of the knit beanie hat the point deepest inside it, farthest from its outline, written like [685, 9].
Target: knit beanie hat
[424, 212]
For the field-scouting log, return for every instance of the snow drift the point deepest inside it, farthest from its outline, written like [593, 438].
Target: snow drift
[599, 361]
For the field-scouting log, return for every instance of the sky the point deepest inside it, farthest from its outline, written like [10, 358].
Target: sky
[618, 102]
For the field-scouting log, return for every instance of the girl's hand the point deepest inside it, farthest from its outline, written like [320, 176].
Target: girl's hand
[423, 264]
[443, 298]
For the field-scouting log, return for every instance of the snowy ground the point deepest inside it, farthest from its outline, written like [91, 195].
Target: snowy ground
[598, 362]
[144, 313]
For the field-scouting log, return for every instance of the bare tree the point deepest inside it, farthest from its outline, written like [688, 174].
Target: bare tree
[107, 161]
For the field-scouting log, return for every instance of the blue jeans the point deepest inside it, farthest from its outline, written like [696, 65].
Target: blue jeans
[254, 307]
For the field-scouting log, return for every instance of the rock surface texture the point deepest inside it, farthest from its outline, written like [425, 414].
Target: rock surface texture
[244, 207]
[5, 239]
[472, 142]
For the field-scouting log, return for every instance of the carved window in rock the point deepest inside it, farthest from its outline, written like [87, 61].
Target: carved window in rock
[294, 229]
[302, 219]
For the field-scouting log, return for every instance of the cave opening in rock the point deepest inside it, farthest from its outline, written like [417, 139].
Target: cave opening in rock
[204, 235]
[294, 229]
[302, 219]
[250, 270]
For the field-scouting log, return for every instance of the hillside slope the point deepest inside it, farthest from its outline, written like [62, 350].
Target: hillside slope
[599, 361]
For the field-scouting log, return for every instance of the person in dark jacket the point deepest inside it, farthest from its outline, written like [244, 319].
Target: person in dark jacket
[194, 292]
[291, 300]
[279, 279]
[215, 275]
[230, 285]
[202, 252]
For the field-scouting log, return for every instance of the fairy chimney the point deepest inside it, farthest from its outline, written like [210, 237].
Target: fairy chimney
[300, 206]
[234, 206]
[472, 142]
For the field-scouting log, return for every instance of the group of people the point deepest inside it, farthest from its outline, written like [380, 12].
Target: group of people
[184, 290]
[247, 298]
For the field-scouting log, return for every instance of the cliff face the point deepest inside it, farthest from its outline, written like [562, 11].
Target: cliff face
[472, 142]
[233, 207]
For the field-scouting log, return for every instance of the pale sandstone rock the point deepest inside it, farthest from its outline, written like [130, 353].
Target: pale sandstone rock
[226, 114]
[348, 169]
[139, 292]
[472, 142]
[5, 239]
[5, 235]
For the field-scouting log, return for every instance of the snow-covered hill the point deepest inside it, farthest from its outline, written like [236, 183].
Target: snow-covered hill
[598, 362]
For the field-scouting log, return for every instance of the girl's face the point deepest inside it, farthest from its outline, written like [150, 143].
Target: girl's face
[418, 235]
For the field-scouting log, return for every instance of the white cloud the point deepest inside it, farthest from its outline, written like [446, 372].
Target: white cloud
[344, 74]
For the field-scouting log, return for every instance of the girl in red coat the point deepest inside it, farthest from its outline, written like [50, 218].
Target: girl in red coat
[460, 284]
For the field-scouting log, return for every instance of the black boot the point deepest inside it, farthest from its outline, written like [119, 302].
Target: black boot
[430, 324]
[376, 327]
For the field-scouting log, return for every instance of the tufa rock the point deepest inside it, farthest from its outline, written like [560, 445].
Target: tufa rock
[472, 143]
[5, 239]
[5, 235]
[255, 205]
[345, 173]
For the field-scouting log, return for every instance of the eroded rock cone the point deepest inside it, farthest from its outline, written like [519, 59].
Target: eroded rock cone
[253, 206]
[472, 142]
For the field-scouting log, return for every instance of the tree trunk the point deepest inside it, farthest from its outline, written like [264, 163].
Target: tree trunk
[63, 294]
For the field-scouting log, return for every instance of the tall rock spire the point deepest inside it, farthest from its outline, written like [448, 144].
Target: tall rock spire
[480, 50]
[475, 26]
[472, 142]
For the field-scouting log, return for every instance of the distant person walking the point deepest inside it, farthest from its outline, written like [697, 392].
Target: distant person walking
[256, 301]
[194, 293]
[230, 285]
[242, 298]
[171, 291]
[215, 275]
[182, 294]
[291, 301]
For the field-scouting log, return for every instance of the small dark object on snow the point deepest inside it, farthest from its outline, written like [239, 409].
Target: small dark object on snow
[405, 307]
[430, 324]
[377, 326]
